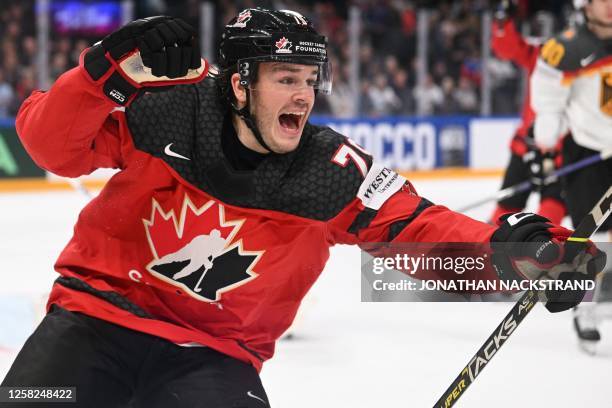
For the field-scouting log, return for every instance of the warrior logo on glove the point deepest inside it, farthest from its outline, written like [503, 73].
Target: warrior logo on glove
[197, 251]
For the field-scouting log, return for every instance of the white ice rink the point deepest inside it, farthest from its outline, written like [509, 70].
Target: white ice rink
[346, 353]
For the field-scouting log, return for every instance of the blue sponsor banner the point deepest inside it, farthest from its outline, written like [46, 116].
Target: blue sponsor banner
[7, 122]
[408, 143]
[14, 160]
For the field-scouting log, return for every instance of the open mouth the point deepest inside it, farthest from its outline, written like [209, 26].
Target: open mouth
[291, 121]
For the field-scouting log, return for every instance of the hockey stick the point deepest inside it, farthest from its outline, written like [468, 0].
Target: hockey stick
[527, 185]
[574, 244]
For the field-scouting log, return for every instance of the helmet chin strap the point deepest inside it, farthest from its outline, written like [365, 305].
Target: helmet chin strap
[249, 120]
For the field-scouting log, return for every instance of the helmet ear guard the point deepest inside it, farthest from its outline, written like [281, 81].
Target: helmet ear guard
[245, 70]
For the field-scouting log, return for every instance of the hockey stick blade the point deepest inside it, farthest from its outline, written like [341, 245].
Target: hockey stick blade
[527, 185]
[523, 306]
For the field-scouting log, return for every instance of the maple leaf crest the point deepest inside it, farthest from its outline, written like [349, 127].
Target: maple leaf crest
[244, 16]
[196, 250]
[283, 44]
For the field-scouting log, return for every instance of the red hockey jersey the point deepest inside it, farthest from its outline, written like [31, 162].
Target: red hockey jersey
[181, 246]
[508, 44]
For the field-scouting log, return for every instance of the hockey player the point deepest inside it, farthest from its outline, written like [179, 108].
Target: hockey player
[231, 157]
[573, 81]
[526, 161]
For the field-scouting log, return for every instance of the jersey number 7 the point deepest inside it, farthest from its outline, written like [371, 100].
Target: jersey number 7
[346, 153]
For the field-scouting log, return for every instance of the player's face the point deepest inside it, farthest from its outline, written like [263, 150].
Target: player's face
[600, 10]
[282, 99]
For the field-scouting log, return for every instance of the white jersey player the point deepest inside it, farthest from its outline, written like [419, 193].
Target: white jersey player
[572, 86]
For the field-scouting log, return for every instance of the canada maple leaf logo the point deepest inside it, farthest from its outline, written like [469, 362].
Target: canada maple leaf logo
[283, 45]
[197, 251]
[244, 16]
[242, 19]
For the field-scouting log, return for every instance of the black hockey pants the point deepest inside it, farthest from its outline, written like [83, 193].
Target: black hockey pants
[112, 366]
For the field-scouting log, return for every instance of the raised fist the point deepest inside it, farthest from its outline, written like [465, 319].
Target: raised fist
[152, 52]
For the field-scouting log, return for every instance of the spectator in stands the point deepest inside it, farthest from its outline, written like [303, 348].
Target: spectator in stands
[450, 105]
[403, 90]
[24, 87]
[365, 104]
[6, 96]
[439, 71]
[429, 96]
[10, 63]
[391, 66]
[383, 99]
[79, 46]
[342, 99]
[471, 67]
[29, 49]
[59, 65]
[465, 96]
[12, 31]
[368, 64]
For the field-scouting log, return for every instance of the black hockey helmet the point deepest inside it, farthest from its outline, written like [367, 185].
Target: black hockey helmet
[257, 35]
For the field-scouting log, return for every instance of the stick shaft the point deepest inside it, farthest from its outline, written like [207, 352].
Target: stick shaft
[521, 308]
[527, 185]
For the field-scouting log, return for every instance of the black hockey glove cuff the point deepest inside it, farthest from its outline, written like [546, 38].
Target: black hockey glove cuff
[155, 52]
[539, 164]
[526, 246]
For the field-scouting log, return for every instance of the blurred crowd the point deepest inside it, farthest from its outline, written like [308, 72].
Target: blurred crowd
[19, 50]
[387, 54]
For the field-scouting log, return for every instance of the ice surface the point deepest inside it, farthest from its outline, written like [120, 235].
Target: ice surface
[346, 353]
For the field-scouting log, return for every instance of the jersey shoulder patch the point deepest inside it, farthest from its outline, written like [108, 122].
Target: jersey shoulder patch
[571, 50]
[379, 185]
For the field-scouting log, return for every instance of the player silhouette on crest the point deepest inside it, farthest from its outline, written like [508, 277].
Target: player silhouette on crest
[201, 251]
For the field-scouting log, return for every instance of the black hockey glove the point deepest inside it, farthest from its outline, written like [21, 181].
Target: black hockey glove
[526, 246]
[148, 53]
[540, 164]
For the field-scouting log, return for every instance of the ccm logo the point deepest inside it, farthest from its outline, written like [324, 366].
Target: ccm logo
[116, 95]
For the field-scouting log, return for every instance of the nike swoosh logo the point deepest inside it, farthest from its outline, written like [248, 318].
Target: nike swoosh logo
[587, 60]
[174, 154]
[250, 394]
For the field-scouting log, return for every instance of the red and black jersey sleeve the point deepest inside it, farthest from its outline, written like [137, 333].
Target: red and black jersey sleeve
[70, 130]
[406, 217]
[387, 208]
[508, 44]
